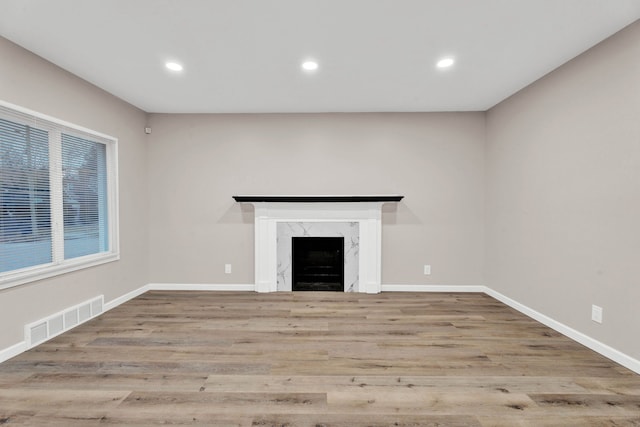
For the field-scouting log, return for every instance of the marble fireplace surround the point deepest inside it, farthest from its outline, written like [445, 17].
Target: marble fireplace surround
[366, 211]
[347, 230]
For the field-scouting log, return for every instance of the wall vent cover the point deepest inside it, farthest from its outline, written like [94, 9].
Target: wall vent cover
[44, 329]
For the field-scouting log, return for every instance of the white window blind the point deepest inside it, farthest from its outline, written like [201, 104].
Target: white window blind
[25, 214]
[58, 196]
[84, 175]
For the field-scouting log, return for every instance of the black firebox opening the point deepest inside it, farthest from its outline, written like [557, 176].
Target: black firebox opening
[318, 263]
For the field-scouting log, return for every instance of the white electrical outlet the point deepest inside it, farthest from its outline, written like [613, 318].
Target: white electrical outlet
[596, 313]
[427, 270]
[227, 268]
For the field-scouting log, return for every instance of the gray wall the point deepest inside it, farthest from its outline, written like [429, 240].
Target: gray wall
[197, 162]
[34, 83]
[563, 193]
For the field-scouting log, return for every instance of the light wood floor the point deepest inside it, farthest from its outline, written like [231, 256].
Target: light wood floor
[316, 359]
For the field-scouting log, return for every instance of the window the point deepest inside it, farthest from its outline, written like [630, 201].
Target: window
[84, 196]
[58, 200]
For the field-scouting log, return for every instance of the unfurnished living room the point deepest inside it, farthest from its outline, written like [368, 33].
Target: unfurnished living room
[320, 212]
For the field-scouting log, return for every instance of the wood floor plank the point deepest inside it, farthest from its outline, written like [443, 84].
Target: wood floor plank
[126, 381]
[315, 359]
[327, 383]
[178, 403]
[63, 403]
[364, 420]
[428, 402]
[559, 421]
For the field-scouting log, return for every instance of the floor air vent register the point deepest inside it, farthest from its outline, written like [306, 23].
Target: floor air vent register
[44, 329]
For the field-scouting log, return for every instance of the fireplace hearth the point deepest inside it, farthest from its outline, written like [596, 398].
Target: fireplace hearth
[317, 264]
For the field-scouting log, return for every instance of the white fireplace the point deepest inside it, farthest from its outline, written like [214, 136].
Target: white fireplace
[329, 215]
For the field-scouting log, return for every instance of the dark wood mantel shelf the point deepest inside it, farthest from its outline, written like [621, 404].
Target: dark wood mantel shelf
[319, 199]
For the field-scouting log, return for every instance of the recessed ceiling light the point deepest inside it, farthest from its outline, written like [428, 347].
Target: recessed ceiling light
[310, 65]
[173, 66]
[445, 63]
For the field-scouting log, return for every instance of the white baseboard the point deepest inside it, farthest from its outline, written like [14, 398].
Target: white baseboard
[175, 287]
[12, 351]
[595, 345]
[200, 287]
[126, 297]
[432, 288]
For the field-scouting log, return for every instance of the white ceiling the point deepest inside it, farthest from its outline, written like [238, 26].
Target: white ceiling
[374, 55]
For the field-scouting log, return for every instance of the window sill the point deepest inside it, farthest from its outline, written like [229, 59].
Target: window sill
[50, 270]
